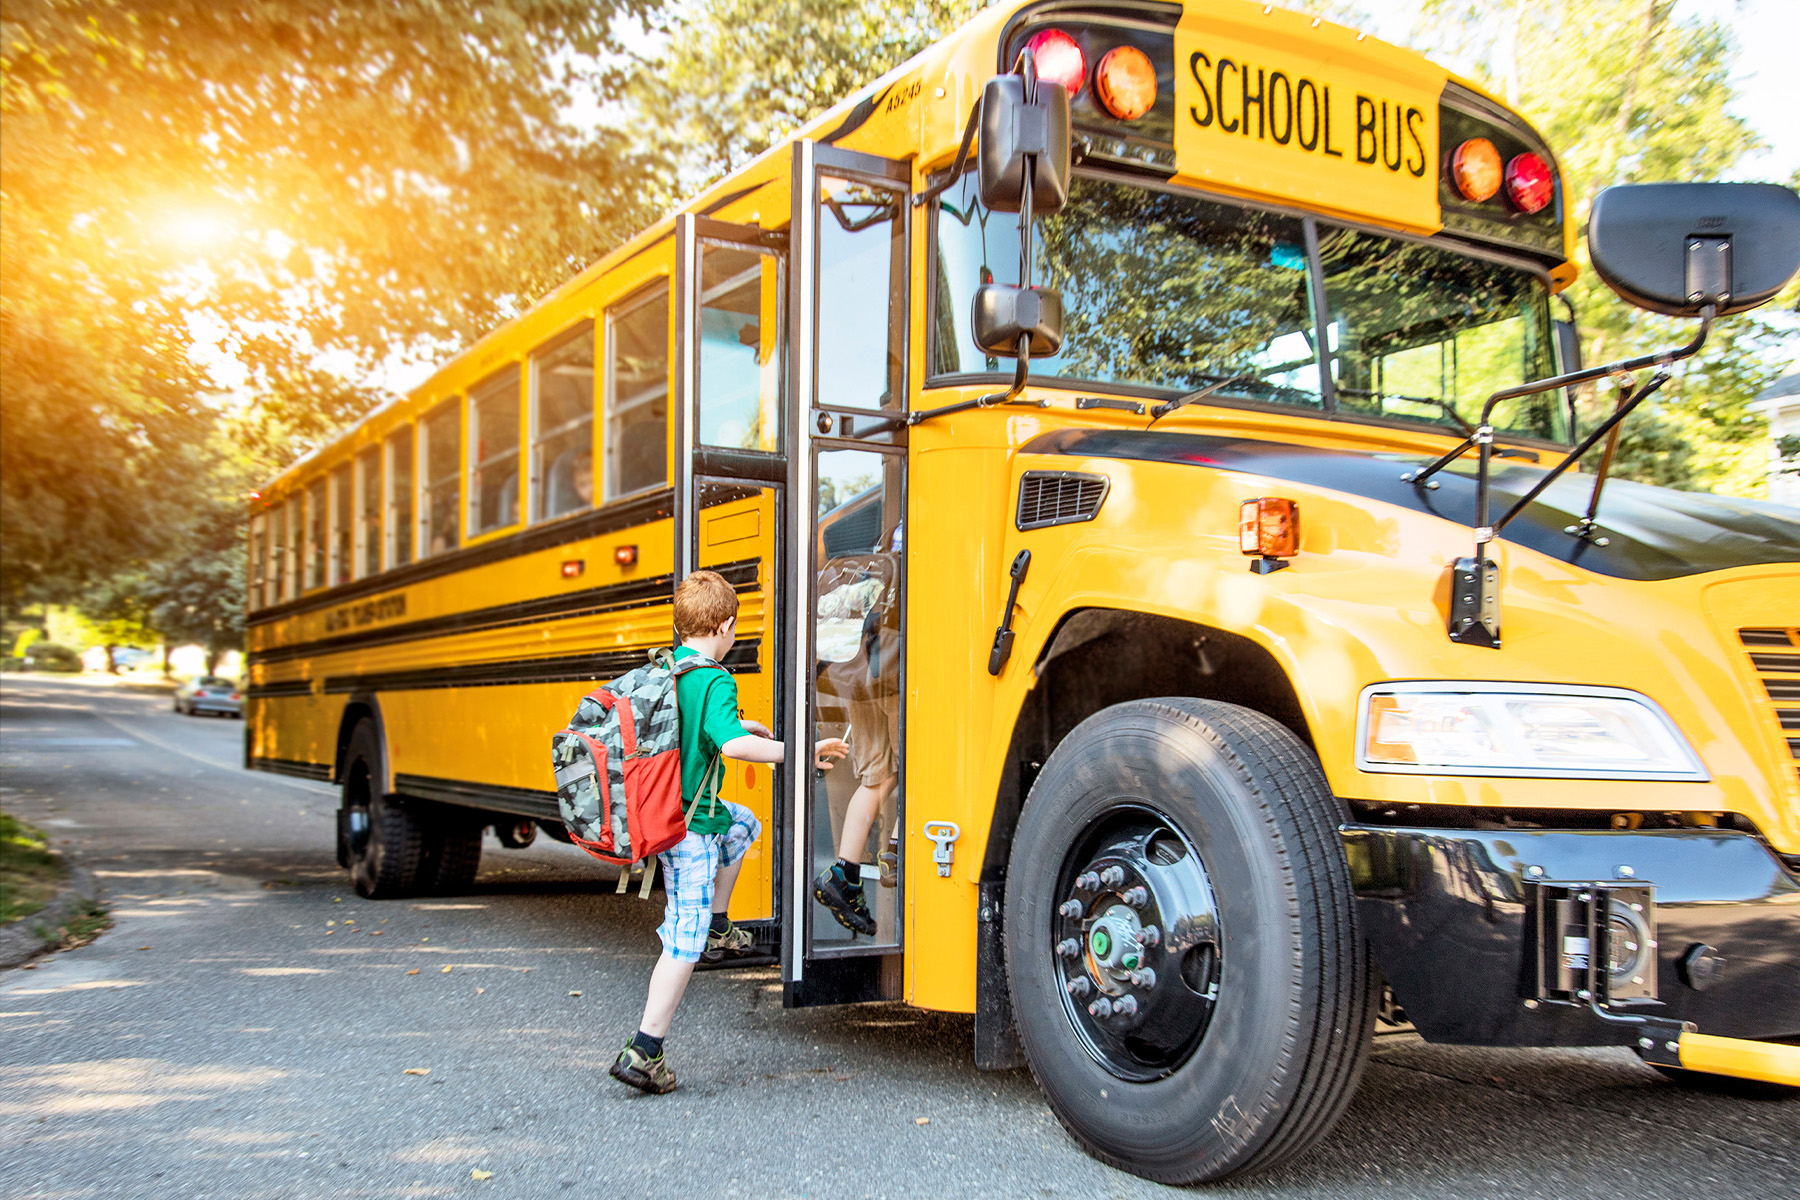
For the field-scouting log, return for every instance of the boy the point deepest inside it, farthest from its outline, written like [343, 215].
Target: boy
[700, 870]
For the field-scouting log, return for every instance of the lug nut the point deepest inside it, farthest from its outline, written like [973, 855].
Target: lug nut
[1087, 881]
[1069, 947]
[1079, 986]
[1138, 896]
[1145, 978]
[1070, 909]
[1125, 1006]
[1113, 876]
[1150, 936]
[1101, 1008]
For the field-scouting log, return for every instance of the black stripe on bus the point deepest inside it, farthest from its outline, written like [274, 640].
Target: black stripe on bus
[570, 668]
[612, 597]
[294, 767]
[639, 511]
[525, 802]
[733, 197]
[857, 117]
[273, 691]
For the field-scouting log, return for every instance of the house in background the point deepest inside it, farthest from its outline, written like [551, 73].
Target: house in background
[1780, 402]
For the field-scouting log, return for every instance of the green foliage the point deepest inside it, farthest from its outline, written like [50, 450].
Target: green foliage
[30, 872]
[736, 76]
[303, 188]
[1650, 108]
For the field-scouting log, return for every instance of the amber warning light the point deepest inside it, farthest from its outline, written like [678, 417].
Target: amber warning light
[1269, 527]
[625, 556]
[572, 568]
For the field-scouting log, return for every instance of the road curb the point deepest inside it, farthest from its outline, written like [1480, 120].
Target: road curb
[31, 935]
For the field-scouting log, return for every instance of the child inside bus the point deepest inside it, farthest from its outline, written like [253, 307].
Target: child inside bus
[700, 870]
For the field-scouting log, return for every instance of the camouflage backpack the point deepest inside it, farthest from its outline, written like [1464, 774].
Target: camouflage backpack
[618, 764]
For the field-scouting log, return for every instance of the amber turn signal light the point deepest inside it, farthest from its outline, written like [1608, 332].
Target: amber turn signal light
[625, 556]
[1475, 169]
[1125, 82]
[572, 568]
[1269, 527]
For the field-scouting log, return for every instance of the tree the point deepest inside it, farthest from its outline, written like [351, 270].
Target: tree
[299, 190]
[1656, 111]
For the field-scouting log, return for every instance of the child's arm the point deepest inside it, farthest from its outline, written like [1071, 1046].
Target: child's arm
[752, 747]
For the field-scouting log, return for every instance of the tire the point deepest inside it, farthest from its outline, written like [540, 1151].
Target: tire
[386, 842]
[1252, 1036]
[516, 833]
[452, 855]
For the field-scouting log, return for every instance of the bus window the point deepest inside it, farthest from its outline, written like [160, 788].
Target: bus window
[295, 520]
[1427, 334]
[637, 394]
[1159, 290]
[314, 550]
[740, 361]
[494, 430]
[862, 253]
[399, 450]
[368, 513]
[442, 462]
[562, 427]
[341, 529]
[259, 557]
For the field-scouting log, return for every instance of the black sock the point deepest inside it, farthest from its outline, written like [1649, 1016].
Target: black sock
[720, 923]
[852, 872]
[646, 1045]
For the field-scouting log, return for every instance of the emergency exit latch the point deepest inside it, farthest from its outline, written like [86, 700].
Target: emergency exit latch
[944, 834]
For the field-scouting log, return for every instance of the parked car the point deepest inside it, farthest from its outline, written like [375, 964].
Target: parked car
[210, 694]
[51, 656]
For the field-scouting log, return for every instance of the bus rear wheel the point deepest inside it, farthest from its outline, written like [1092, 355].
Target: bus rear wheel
[381, 842]
[1189, 983]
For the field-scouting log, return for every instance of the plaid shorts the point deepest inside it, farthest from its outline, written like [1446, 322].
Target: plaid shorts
[688, 869]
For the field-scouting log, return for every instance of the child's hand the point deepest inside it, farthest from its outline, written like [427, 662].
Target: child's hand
[828, 751]
[756, 727]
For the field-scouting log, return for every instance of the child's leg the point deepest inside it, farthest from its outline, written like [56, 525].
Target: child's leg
[723, 882]
[853, 845]
[668, 983]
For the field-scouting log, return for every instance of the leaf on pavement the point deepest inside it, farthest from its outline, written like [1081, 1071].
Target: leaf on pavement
[574, 993]
[417, 1071]
[445, 971]
[922, 1121]
[414, 971]
[478, 1173]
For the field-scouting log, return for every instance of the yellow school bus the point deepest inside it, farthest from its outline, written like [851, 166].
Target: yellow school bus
[1229, 654]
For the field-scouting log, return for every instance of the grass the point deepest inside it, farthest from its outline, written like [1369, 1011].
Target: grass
[30, 873]
[81, 928]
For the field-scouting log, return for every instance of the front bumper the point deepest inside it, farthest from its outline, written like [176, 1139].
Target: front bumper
[1450, 916]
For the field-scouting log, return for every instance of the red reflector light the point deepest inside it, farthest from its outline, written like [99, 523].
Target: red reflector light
[1125, 82]
[625, 556]
[1529, 184]
[1475, 169]
[1269, 527]
[236, 696]
[1059, 59]
[573, 568]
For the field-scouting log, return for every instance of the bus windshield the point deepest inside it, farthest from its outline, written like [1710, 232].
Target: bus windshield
[1171, 291]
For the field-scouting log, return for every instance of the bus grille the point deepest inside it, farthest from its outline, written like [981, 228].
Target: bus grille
[1059, 497]
[1775, 653]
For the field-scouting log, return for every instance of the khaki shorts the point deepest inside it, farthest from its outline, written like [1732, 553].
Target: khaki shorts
[874, 728]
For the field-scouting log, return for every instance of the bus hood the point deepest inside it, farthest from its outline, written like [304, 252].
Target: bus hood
[1650, 532]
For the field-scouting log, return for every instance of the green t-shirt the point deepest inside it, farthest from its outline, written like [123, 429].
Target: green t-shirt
[707, 702]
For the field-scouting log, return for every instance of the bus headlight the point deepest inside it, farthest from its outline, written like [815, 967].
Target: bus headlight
[1520, 729]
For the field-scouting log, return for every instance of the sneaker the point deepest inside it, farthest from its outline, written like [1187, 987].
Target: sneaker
[642, 1072]
[890, 864]
[733, 943]
[844, 899]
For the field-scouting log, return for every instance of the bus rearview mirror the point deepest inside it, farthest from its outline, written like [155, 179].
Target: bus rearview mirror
[1016, 133]
[1674, 248]
[1004, 313]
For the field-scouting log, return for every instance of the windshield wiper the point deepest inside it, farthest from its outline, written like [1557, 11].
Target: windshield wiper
[1168, 406]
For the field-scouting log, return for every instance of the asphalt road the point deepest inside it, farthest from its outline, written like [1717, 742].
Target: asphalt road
[245, 1029]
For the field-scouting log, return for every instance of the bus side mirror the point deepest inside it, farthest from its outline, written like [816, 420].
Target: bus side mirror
[1003, 313]
[1017, 133]
[1675, 248]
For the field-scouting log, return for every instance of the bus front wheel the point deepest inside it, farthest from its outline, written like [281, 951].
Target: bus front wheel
[378, 838]
[1188, 980]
